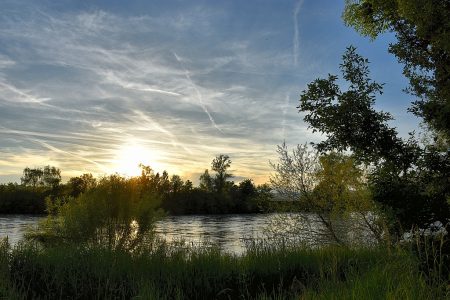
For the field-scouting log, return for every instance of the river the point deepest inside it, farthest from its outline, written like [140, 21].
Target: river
[229, 232]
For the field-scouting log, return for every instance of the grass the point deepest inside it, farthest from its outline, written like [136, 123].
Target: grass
[29, 271]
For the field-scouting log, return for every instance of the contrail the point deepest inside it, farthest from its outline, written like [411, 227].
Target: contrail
[296, 38]
[23, 95]
[173, 138]
[54, 149]
[135, 86]
[79, 136]
[199, 95]
[156, 91]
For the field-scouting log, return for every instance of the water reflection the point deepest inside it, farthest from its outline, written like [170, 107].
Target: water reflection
[226, 231]
[229, 232]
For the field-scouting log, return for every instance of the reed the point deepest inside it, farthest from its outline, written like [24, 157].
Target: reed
[167, 272]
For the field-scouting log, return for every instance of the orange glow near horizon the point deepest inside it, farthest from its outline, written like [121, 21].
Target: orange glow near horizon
[130, 155]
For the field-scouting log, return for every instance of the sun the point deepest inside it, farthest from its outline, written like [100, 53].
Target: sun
[129, 156]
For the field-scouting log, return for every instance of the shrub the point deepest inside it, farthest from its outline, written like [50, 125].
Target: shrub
[117, 214]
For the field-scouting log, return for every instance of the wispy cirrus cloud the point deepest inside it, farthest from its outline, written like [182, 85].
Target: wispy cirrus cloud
[104, 84]
[79, 81]
[11, 93]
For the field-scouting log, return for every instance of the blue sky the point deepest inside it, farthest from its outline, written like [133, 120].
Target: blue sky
[99, 86]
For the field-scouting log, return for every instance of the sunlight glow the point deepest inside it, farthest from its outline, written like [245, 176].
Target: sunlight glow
[130, 155]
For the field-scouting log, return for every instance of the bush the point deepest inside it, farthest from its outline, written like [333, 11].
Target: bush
[117, 214]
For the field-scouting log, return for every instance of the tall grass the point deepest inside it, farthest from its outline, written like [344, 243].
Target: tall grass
[433, 253]
[264, 272]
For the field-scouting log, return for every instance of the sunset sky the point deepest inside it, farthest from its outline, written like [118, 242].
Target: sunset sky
[100, 86]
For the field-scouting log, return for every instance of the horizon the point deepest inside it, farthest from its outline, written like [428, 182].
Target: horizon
[100, 87]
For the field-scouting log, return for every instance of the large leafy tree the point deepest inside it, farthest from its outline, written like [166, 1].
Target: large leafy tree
[81, 184]
[220, 164]
[404, 177]
[49, 176]
[422, 29]
[348, 119]
[206, 181]
[32, 177]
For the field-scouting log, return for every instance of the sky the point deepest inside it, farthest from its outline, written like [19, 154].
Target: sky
[101, 86]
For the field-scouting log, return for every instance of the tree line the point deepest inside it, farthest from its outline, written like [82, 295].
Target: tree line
[216, 193]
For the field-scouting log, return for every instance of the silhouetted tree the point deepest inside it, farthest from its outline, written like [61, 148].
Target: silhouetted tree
[206, 182]
[187, 186]
[220, 164]
[21, 199]
[32, 177]
[81, 184]
[51, 176]
[176, 184]
[247, 188]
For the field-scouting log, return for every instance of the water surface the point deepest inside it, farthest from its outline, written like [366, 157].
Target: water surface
[229, 232]
[14, 226]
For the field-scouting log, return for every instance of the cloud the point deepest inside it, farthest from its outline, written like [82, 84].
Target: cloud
[198, 94]
[284, 109]
[6, 62]
[14, 94]
[296, 39]
[77, 84]
[60, 151]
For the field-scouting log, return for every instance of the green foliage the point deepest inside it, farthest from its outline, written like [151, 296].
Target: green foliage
[422, 29]
[332, 186]
[81, 184]
[348, 118]
[32, 177]
[409, 181]
[417, 198]
[4, 266]
[216, 194]
[263, 200]
[377, 283]
[220, 164]
[176, 184]
[50, 177]
[19, 199]
[341, 185]
[29, 197]
[206, 182]
[266, 271]
[433, 253]
[116, 214]
[213, 196]
[294, 172]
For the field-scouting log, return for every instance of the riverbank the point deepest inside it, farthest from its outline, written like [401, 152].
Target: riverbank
[160, 271]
